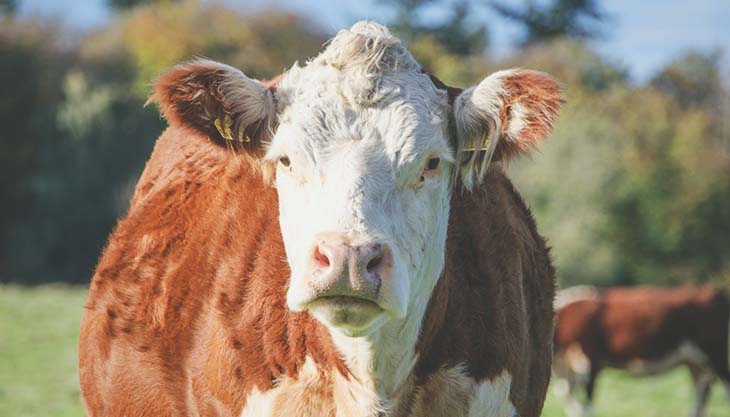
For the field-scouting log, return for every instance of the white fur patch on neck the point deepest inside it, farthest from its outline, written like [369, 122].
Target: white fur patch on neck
[491, 398]
[449, 392]
[313, 393]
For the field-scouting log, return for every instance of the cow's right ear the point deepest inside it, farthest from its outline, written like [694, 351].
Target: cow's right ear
[218, 101]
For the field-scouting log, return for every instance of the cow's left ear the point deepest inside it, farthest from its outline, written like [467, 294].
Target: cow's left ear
[218, 101]
[507, 114]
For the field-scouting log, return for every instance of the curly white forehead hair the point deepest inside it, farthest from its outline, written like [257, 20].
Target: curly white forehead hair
[361, 55]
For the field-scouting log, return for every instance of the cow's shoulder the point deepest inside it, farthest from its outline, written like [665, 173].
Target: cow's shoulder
[191, 283]
[493, 253]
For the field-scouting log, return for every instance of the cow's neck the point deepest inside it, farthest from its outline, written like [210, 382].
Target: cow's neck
[383, 362]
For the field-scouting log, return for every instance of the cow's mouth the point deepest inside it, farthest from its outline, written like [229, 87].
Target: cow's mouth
[354, 314]
[346, 300]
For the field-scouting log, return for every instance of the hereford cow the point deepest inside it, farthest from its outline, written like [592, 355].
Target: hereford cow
[330, 244]
[643, 330]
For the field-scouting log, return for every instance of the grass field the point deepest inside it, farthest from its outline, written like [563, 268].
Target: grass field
[39, 329]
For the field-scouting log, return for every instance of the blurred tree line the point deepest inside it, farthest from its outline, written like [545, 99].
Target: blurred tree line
[76, 133]
[633, 186]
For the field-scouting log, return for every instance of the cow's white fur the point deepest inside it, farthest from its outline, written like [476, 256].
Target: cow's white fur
[476, 112]
[571, 370]
[491, 398]
[449, 392]
[687, 352]
[358, 124]
[570, 295]
[310, 395]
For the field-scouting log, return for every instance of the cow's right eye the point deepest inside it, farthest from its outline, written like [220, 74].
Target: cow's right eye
[284, 160]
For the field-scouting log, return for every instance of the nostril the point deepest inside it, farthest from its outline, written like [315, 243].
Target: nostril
[377, 260]
[374, 263]
[321, 258]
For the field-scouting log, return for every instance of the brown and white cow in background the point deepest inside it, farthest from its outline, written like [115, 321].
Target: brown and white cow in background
[643, 330]
[348, 252]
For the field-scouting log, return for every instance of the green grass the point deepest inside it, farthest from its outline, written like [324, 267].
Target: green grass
[39, 328]
[667, 395]
[38, 338]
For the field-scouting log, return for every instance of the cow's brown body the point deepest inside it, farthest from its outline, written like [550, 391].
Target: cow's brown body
[186, 313]
[645, 330]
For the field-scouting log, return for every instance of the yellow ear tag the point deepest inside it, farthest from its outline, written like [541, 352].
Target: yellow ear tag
[224, 127]
[484, 147]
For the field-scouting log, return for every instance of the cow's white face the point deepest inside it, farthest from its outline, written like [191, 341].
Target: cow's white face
[350, 177]
[364, 145]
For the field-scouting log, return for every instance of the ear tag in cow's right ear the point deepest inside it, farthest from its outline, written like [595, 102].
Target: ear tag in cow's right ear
[224, 127]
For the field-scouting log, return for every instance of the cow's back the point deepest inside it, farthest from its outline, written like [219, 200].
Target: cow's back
[646, 324]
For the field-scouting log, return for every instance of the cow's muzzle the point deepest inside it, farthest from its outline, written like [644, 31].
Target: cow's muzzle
[344, 279]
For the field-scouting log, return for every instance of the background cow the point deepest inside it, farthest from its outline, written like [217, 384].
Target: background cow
[389, 271]
[643, 330]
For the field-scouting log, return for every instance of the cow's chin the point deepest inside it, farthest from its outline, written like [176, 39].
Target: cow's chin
[352, 316]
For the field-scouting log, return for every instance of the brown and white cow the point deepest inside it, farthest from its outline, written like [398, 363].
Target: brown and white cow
[643, 330]
[332, 244]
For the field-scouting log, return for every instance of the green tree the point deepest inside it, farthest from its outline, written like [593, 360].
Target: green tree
[32, 62]
[8, 7]
[77, 133]
[693, 79]
[632, 183]
[128, 4]
[457, 34]
[575, 19]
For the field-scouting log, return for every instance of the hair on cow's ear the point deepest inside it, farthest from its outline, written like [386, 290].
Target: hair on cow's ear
[216, 100]
[508, 113]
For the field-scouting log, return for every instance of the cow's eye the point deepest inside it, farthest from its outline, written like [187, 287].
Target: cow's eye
[432, 164]
[284, 160]
[429, 168]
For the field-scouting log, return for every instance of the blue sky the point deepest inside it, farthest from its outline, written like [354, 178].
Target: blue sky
[642, 36]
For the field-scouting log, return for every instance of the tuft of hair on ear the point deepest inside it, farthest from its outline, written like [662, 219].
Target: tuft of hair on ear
[508, 113]
[216, 100]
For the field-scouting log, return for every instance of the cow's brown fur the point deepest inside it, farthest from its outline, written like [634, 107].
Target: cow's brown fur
[186, 313]
[541, 98]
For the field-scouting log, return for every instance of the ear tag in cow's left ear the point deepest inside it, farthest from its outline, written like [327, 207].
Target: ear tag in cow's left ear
[224, 127]
[484, 147]
[485, 142]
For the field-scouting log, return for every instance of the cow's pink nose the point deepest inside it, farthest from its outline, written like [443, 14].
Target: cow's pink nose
[341, 268]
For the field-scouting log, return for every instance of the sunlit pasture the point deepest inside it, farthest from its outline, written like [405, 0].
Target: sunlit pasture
[38, 335]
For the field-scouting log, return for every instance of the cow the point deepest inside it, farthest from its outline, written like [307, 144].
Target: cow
[331, 243]
[643, 330]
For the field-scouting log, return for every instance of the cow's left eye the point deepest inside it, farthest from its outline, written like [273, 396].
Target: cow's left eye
[285, 161]
[429, 169]
[432, 164]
